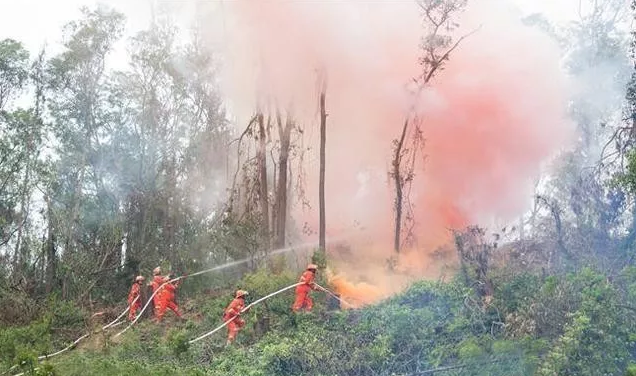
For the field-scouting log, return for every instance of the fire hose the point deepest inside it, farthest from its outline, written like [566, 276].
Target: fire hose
[116, 322]
[335, 296]
[150, 300]
[219, 267]
[242, 311]
[258, 301]
[111, 324]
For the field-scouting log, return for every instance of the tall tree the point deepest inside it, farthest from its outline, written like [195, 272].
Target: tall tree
[281, 209]
[13, 70]
[261, 156]
[21, 138]
[81, 114]
[170, 151]
[321, 188]
[436, 48]
[631, 87]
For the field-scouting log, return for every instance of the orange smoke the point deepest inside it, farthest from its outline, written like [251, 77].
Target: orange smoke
[356, 295]
[491, 119]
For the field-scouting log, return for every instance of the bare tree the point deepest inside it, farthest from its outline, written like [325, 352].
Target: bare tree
[436, 48]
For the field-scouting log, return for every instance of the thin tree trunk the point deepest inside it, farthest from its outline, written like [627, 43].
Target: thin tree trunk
[25, 192]
[171, 210]
[51, 257]
[321, 188]
[24, 210]
[262, 173]
[399, 195]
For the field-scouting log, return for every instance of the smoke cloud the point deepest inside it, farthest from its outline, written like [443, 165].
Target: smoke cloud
[491, 119]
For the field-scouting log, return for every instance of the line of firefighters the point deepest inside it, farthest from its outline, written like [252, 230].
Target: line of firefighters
[164, 299]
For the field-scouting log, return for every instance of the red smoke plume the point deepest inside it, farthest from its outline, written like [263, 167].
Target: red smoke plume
[491, 118]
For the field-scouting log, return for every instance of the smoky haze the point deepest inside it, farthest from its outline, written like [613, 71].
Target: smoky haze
[491, 119]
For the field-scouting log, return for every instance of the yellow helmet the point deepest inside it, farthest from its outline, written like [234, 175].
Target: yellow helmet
[140, 278]
[312, 267]
[240, 293]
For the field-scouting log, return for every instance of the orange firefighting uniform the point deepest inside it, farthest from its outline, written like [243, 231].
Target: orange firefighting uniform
[156, 282]
[167, 300]
[302, 292]
[232, 310]
[132, 295]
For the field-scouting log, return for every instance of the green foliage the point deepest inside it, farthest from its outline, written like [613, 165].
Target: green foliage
[178, 342]
[516, 293]
[430, 325]
[319, 257]
[595, 340]
[13, 69]
[627, 179]
[24, 344]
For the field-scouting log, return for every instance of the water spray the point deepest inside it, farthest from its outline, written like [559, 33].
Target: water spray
[219, 267]
[117, 322]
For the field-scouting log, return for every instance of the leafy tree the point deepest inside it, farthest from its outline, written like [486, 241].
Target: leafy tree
[13, 70]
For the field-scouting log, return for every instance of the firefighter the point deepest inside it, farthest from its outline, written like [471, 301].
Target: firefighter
[157, 280]
[134, 297]
[233, 314]
[167, 299]
[302, 291]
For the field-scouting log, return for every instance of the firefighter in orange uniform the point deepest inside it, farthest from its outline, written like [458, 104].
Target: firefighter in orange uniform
[167, 299]
[157, 280]
[134, 297]
[302, 291]
[233, 313]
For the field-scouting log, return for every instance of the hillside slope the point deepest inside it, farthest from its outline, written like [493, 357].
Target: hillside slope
[579, 324]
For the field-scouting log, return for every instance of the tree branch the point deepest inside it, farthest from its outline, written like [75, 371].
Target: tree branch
[445, 56]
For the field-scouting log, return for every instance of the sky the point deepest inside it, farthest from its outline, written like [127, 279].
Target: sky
[36, 22]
